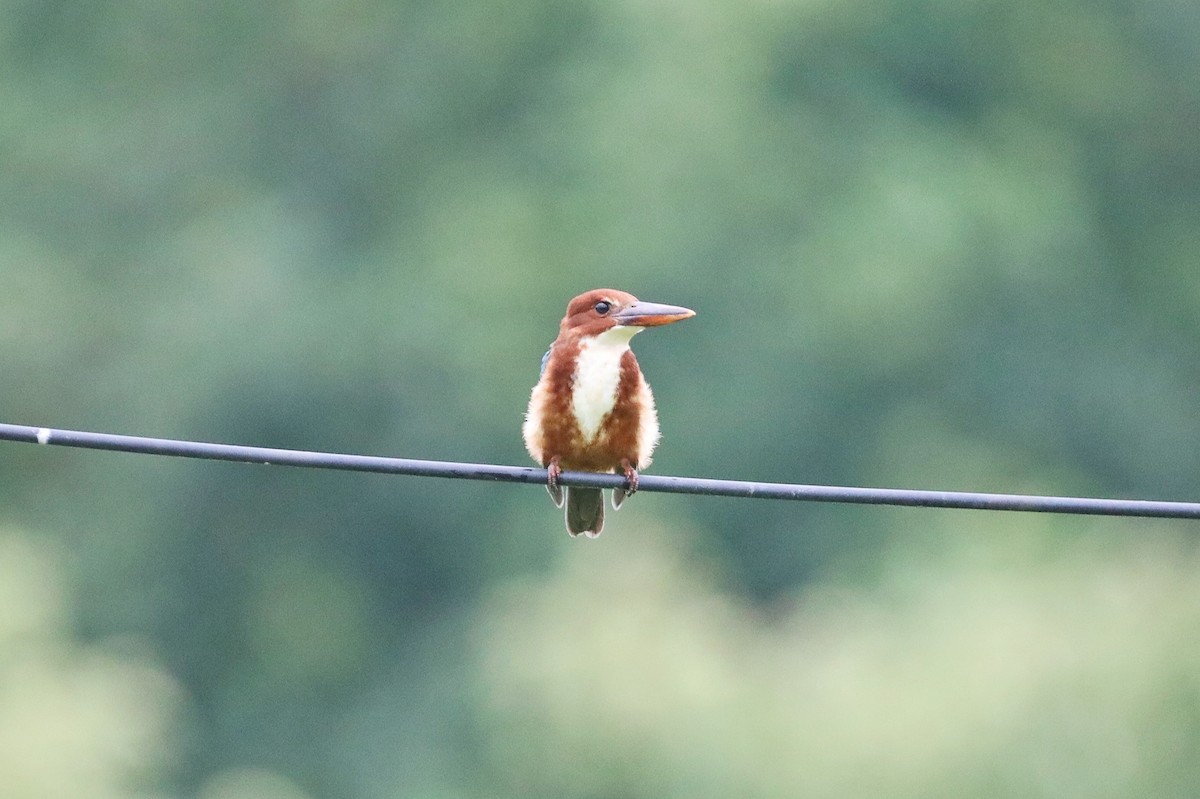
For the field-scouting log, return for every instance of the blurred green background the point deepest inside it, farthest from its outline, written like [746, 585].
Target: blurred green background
[932, 243]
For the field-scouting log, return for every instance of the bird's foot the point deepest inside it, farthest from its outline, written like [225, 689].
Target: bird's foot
[556, 492]
[631, 484]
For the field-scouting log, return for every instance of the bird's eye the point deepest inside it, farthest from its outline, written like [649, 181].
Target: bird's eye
[603, 307]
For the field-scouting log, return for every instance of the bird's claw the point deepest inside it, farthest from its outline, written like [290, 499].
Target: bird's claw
[631, 484]
[553, 470]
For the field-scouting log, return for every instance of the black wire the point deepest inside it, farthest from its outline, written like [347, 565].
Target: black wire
[673, 485]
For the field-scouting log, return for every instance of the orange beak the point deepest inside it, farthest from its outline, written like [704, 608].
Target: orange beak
[651, 314]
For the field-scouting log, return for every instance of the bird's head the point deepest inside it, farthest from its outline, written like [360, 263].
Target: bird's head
[597, 311]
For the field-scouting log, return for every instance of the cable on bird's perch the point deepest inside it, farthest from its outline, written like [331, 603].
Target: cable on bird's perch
[672, 485]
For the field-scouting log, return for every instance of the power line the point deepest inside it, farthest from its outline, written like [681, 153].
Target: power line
[673, 485]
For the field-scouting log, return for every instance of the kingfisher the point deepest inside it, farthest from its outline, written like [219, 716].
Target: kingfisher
[591, 409]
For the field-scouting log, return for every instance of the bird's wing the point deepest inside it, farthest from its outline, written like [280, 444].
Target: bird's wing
[545, 360]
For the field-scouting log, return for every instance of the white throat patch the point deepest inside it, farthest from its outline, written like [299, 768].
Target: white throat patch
[597, 375]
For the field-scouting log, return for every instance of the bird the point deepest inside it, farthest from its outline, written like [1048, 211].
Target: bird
[591, 409]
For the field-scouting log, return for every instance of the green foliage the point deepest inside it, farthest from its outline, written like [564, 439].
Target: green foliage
[963, 668]
[932, 244]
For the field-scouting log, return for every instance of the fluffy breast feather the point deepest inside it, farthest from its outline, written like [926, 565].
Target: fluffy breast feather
[591, 407]
[597, 378]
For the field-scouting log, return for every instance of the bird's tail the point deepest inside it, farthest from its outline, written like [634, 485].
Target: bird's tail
[585, 511]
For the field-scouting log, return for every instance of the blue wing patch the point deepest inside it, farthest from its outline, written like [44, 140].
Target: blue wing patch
[545, 360]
